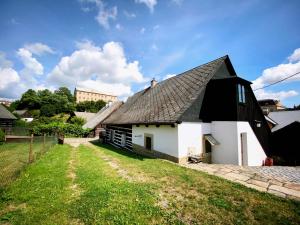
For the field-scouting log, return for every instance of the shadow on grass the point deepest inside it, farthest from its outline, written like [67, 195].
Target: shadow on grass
[120, 151]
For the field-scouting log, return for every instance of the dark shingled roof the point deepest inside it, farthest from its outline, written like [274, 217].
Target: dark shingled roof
[168, 100]
[5, 114]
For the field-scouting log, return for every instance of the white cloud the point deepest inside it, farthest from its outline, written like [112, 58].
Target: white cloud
[149, 3]
[169, 76]
[104, 15]
[8, 76]
[262, 94]
[38, 48]
[143, 29]
[4, 63]
[87, 45]
[277, 73]
[103, 68]
[129, 15]
[30, 62]
[295, 56]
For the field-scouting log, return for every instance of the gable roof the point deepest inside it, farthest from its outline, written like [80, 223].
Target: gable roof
[167, 101]
[284, 118]
[102, 114]
[5, 114]
[85, 115]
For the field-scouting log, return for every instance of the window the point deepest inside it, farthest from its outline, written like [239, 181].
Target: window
[241, 93]
[148, 143]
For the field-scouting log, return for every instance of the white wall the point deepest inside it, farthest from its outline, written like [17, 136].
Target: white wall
[165, 138]
[255, 152]
[228, 133]
[190, 136]
[225, 132]
[176, 141]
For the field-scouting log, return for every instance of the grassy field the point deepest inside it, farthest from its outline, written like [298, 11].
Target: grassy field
[102, 185]
[14, 157]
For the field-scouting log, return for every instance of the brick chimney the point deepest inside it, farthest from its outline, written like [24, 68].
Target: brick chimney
[153, 83]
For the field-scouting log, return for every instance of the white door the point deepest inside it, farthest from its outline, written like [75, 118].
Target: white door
[244, 149]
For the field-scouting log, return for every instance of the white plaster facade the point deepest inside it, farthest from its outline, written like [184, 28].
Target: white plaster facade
[189, 136]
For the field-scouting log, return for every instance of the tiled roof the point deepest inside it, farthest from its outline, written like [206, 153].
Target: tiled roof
[5, 114]
[167, 101]
[102, 115]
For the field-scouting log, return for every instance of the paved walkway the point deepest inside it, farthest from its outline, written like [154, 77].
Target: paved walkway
[75, 142]
[277, 180]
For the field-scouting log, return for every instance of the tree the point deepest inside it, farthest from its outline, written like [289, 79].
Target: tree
[30, 100]
[14, 105]
[90, 106]
[48, 110]
[64, 91]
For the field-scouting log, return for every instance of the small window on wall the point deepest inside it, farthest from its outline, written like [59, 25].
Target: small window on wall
[241, 93]
[148, 143]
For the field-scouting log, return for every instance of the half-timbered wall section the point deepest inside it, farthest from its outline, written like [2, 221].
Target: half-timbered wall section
[119, 136]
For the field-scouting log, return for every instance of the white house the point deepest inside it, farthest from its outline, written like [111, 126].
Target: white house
[207, 111]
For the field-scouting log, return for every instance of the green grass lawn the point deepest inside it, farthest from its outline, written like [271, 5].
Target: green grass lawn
[104, 185]
[14, 157]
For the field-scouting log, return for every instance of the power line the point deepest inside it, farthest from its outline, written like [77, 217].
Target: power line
[277, 81]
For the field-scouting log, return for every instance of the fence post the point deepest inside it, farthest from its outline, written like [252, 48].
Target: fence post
[30, 158]
[44, 143]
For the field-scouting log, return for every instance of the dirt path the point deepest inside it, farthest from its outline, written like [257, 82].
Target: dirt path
[113, 163]
[74, 187]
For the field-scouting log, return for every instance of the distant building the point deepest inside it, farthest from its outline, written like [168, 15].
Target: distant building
[82, 95]
[5, 102]
[6, 119]
[24, 114]
[270, 105]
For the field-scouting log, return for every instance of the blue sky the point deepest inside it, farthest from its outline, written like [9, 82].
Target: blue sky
[117, 46]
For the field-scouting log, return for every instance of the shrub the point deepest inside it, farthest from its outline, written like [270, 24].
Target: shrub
[69, 130]
[77, 120]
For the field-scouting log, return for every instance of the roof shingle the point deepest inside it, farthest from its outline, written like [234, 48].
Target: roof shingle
[168, 100]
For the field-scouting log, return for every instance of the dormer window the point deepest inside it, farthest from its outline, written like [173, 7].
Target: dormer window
[241, 93]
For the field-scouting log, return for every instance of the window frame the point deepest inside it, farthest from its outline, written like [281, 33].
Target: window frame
[241, 94]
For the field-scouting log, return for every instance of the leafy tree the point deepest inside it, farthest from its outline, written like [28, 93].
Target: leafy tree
[48, 110]
[30, 100]
[90, 106]
[64, 91]
[14, 105]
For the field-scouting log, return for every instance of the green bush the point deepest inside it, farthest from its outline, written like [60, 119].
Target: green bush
[77, 120]
[2, 137]
[69, 130]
